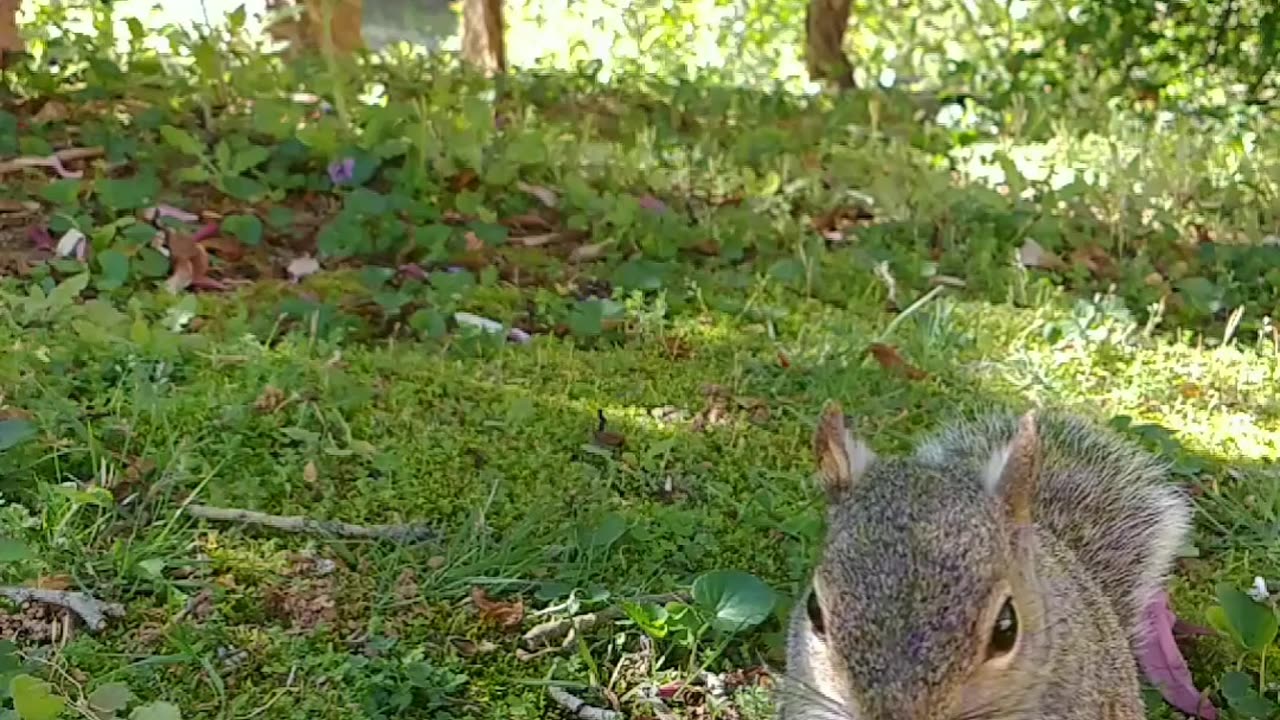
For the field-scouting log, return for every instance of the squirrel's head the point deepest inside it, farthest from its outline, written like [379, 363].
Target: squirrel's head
[925, 605]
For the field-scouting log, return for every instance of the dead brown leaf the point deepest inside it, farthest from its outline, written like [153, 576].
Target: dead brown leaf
[53, 582]
[506, 615]
[1094, 259]
[309, 473]
[891, 360]
[190, 262]
[464, 180]
[527, 222]
[474, 243]
[305, 604]
[53, 111]
[537, 240]
[271, 400]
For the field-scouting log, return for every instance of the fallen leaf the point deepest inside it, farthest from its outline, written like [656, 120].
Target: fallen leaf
[1163, 664]
[309, 473]
[435, 562]
[527, 221]
[474, 243]
[891, 360]
[504, 614]
[18, 206]
[301, 267]
[53, 582]
[587, 253]
[546, 196]
[190, 262]
[1032, 255]
[1094, 259]
[53, 111]
[537, 240]
[271, 400]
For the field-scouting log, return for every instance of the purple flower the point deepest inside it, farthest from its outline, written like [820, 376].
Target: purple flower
[40, 238]
[342, 171]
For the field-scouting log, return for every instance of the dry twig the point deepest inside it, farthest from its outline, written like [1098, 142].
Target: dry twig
[567, 629]
[299, 524]
[579, 707]
[93, 611]
[54, 161]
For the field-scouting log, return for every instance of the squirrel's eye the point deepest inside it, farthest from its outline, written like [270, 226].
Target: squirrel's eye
[1004, 635]
[815, 613]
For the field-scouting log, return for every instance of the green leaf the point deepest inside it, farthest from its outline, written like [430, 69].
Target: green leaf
[249, 158]
[737, 600]
[156, 711]
[1239, 691]
[429, 322]
[128, 193]
[612, 527]
[182, 141]
[1252, 623]
[194, 174]
[13, 550]
[68, 290]
[587, 318]
[63, 193]
[14, 432]
[110, 698]
[8, 133]
[246, 228]
[243, 188]
[115, 269]
[34, 699]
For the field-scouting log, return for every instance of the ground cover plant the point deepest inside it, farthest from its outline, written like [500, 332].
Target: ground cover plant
[372, 388]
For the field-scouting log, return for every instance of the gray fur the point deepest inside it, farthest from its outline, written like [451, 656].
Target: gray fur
[916, 545]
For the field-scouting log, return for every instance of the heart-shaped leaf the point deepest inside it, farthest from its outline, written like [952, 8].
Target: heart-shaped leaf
[1239, 691]
[14, 432]
[737, 600]
[13, 550]
[1251, 623]
[110, 698]
[33, 698]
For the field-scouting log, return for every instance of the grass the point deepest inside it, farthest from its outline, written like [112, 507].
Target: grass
[734, 282]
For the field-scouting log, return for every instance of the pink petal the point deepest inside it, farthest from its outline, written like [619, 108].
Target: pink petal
[1163, 664]
[413, 270]
[55, 162]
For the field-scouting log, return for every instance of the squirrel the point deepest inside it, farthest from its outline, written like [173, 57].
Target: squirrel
[999, 571]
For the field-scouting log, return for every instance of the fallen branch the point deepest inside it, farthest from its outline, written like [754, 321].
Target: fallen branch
[54, 161]
[298, 524]
[93, 611]
[579, 707]
[566, 629]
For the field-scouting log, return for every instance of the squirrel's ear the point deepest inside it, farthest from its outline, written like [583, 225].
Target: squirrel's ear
[841, 457]
[1014, 471]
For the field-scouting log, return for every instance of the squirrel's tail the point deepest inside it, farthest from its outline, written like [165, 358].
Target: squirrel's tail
[1106, 498]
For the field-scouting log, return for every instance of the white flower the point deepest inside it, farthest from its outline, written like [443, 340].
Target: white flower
[1259, 590]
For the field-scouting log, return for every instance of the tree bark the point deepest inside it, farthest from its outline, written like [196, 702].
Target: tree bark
[10, 40]
[483, 42]
[825, 24]
[307, 31]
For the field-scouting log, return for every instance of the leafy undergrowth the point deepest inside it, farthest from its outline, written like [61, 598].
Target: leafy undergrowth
[582, 334]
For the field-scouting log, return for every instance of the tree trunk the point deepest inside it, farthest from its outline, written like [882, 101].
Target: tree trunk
[307, 31]
[483, 44]
[10, 40]
[825, 25]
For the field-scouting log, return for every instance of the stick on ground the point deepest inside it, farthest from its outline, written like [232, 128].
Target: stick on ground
[93, 611]
[299, 524]
[578, 707]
